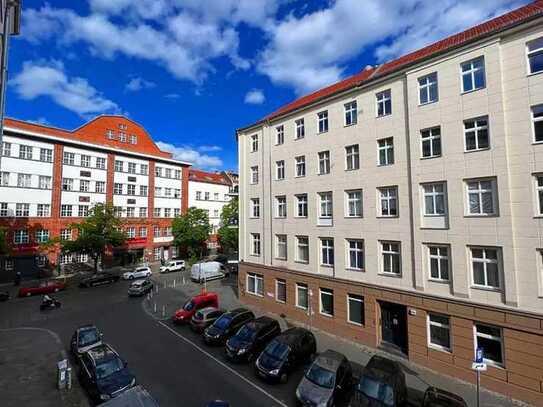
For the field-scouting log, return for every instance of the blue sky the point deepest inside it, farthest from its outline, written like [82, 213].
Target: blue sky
[192, 71]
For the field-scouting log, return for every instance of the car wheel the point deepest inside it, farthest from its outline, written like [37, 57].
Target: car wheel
[131, 277]
[28, 294]
[283, 378]
[55, 290]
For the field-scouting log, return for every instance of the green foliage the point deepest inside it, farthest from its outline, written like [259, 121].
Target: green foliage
[4, 249]
[229, 232]
[191, 231]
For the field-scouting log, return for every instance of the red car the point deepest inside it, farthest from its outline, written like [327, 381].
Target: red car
[194, 304]
[45, 287]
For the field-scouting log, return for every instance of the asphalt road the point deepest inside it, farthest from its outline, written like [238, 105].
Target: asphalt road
[170, 361]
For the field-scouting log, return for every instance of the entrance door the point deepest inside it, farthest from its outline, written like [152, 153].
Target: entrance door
[166, 253]
[394, 326]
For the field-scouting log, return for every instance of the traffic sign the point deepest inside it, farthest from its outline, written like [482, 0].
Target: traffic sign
[479, 355]
[480, 367]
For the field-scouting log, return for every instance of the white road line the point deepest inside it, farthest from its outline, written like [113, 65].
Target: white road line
[223, 364]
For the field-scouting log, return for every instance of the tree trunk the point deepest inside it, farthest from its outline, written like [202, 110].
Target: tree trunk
[95, 258]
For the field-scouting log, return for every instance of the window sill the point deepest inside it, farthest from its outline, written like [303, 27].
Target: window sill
[300, 217]
[534, 74]
[439, 281]
[437, 215]
[352, 217]
[322, 132]
[476, 150]
[326, 315]
[328, 266]
[384, 165]
[390, 274]
[354, 269]
[439, 348]
[432, 102]
[388, 216]
[484, 288]
[492, 215]
[280, 302]
[255, 294]
[355, 323]
[383, 116]
[466, 92]
[323, 173]
[350, 125]
[535, 143]
[280, 258]
[299, 176]
[279, 179]
[301, 308]
[299, 138]
[301, 262]
[430, 157]
[351, 169]
[254, 255]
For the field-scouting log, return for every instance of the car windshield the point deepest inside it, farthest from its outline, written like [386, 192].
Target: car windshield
[376, 390]
[88, 337]
[109, 367]
[223, 322]
[321, 376]
[246, 334]
[277, 350]
[141, 269]
[189, 305]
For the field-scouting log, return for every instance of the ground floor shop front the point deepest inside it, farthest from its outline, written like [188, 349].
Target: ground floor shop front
[437, 333]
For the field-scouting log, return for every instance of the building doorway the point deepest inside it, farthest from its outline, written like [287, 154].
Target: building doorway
[394, 327]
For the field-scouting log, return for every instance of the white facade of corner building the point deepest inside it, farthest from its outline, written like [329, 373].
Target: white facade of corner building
[212, 206]
[512, 160]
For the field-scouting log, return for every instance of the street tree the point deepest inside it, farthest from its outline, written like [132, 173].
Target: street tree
[4, 248]
[228, 231]
[191, 230]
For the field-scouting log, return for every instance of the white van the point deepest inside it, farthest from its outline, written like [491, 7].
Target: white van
[173, 265]
[210, 270]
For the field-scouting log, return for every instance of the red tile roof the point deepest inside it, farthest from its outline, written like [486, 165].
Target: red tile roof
[480, 31]
[209, 177]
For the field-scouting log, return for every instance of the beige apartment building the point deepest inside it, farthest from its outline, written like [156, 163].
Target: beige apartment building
[402, 207]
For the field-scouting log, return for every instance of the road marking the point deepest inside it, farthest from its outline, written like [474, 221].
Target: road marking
[223, 364]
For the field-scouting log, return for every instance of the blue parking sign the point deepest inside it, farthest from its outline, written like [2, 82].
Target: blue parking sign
[479, 355]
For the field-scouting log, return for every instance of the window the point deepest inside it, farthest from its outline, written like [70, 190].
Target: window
[255, 284]
[25, 152]
[22, 210]
[156, 231]
[131, 168]
[280, 170]
[388, 197]
[438, 262]
[168, 172]
[4, 178]
[537, 121]
[351, 113]
[539, 192]
[41, 261]
[434, 199]
[216, 196]
[476, 134]
[84, 185]
[302, 296]
[255, 244]
[279, 135]
[300, 129]
[168, 212]
[168, 193]
[386, 151]
[131, 232]
[354, 203]
[428, 89]
[44, 210]
[327, 252]
[355, 309]
[490, 339]
[46, 155]
[143, 230]
[355, 254]
[198, 195]
[384, 103]
[390, 258]
[323, 121]
[83, 211]
[439, 332]
[110, 134]
[302, 249]
[143, 212]
[326, 302]
[254, 143]
[66, 234]
[118, 211]
[65, 210]
[100, 187]
[281, 206]
[326, 209]
[118, 189]
[324, 162]
[176, 212]
[206, 196]
[482, 197]
[143, 190]
[144, 169]
[280, 290]
[484, 264]
[473, 74]
[158, 172]
[157, 212]
[122, 137]
[158, 191]
[3, 209]
[24, 180]
[68, 158]
[255, 208]
[352, 156]
[431, 142]
[281, 247]
[177, 194]
[177, 174]
[118, 166]
[85, 160]
[254, 174]
[6, 149]
[44, 182]
[300, 166]
[20, 236]
[534, 50]
[301, 205]
[101, 163]
[133, 139]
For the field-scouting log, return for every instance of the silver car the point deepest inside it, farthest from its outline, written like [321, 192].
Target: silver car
[140, 287]
[204, 318]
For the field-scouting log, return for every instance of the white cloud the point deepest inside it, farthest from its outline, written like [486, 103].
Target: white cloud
[210, 148]
[192, 155]
[172, 96]
[137, 83]
[49, 79]
[40, 120]
[255, 97]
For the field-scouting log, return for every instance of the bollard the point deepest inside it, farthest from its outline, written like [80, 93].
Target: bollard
[69, 378]
[154, 308]
[62, 367]
[156, 289]
[183, 279]
[174, 283]
[163, 311]
[164, 284]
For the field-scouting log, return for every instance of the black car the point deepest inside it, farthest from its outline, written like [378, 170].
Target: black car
[251, 339]
[382, 384]
[99, 279]
[434, 397]
[137, 396]
[226, 326]
[85, 338]
[104, 374]
[4, 295]
[283, 354]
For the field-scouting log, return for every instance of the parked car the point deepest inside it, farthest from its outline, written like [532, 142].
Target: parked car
[227, 325]
[140, 287]
[382, 383]
[328, 378]
[4, 296]
[138, 272]
[434, 397]
[137, 396]
[104, 374]
[99, 279]
[194, 304]
[205, 317]
[85, 338]
[287, 351]
[233, 262]
[45, 287]
[251, 339]
[210, 270]
[173, 265]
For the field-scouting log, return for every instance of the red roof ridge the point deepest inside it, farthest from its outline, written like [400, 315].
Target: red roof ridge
[198, 175]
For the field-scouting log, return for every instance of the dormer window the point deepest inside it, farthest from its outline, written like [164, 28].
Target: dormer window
[122, 137]
[122, 126]
[133, 139]
[110, 134]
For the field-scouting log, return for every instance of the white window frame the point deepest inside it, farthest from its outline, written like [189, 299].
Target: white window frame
[388, 195]
[46, 155]
[324, 162]
[357, 250]
[280, 170]
[301, 201]
[382, 98]
[536, 120]
[538, 194]
[480, 191]
[83, 211]
[6, 149]
[439, 256]
[20, 236]
[425, 85]
[304, 245]
[279, 135]
[256, 244]
[101, 163]
[281, 206]
[349, 200]
[25, 152]
[257, 278]
[299, 129]
[279, 243]
[66, 211]
[485, 261]
[535, 51]
[84, 185]
[326, 205]
[323, 124]
[254, 175]
[68, 158]
[351, 113]
[432, 134]
[85, 160]
[430, 323]
[477, 128]
[303, 287]
[352, 157]
[327, 259]
[278, 282]
[356, 298]
[385, 145]
[329, 292]
[22, 210]
[66, 234]
[255, 208]
[43, 210]
[491, 337]
[299, 168]
[391, 253]
[254, 143]
[434, 195]
[471, 72]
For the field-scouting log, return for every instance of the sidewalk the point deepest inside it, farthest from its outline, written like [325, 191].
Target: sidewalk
[169, 298]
